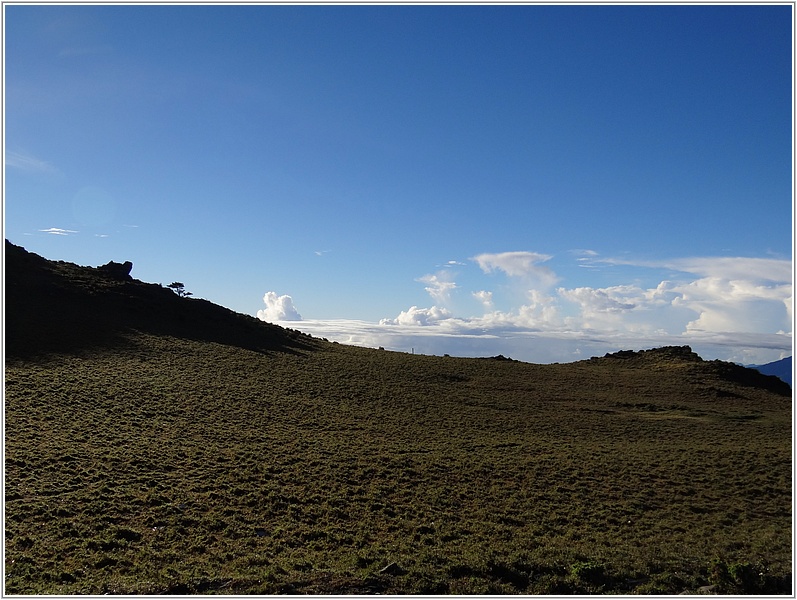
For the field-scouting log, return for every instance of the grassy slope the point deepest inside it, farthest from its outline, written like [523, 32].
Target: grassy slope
[142, 459]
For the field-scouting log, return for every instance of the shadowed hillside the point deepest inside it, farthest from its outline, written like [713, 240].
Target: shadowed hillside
[63, 307]
[158, 444]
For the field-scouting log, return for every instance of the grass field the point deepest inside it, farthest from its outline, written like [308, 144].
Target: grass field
[158, 463]
[172, 465]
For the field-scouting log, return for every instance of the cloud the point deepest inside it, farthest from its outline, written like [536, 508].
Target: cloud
[627, 308]
[586, 259]
[729, 294]
[523, 265]
[422, 317]
[459, 337]
[731, 309]
[754, 269]
[734, 305]
[593, 300]
[439, 286]
[278, 308]
[485, 297]
[58, 231]
[743, 268]
[539, 313]
[514, 264]
[25, 162]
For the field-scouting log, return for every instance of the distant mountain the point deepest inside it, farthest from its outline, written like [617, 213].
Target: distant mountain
[780, 368]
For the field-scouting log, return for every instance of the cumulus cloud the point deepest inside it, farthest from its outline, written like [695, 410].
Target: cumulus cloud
[485, 297]
[732, 305]
[439, 286]
[621, 308]
[738, 311]
[599, 300]
[419, 317]
[278, 308]
[729, 294]
[538, 313]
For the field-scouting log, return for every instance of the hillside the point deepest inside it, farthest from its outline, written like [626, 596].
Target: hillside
[63, 307]
[157, 444]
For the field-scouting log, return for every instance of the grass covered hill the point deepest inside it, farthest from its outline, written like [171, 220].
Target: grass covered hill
[62, 307]
[158, 444]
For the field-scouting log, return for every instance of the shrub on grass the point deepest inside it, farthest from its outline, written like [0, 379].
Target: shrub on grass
[746, 578]
[589, 571]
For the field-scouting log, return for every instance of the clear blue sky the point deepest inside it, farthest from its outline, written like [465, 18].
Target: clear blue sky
[477, 178]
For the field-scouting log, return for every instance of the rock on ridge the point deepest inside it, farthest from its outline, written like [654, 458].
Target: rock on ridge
[115, 270]
[665, 352]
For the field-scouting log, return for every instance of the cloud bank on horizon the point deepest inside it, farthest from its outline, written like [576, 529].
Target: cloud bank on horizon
[737, 309]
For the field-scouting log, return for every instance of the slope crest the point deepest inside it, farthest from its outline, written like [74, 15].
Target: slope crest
[56, 306]
[684, 359]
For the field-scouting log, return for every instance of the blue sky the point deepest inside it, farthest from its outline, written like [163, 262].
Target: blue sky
[545, 182]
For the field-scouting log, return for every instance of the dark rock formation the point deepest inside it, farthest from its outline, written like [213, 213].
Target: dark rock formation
[665, 352]
[115, 270]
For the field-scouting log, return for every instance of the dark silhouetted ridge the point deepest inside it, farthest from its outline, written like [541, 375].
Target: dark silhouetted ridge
[56, 306]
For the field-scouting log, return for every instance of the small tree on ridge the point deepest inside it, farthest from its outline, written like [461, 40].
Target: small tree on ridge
[179, 289]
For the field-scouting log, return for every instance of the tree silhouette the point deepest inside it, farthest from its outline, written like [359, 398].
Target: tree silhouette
[179, 289]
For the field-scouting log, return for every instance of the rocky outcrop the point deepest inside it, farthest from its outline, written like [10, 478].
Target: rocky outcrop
[663, 353]
[115, 270]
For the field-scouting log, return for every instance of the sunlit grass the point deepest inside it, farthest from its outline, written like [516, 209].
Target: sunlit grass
[167, 465]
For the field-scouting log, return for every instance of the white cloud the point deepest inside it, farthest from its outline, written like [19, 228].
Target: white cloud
[738, 310]
[517, 264]
[439, 286]
[628, 308]
[736, 294]
[423, 317]
[539, 313]
[741, 268]
[733, 305]
[485, 297]
[58, 231]
[612, 299]
[278, 308]
[25, 162]
[469, 338]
